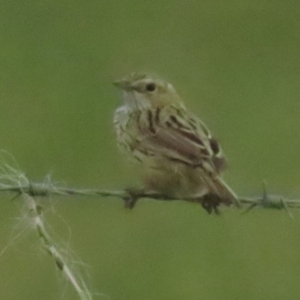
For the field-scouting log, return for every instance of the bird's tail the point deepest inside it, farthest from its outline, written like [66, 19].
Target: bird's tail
[226, 194]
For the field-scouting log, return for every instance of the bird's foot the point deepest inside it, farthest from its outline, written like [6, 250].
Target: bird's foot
[210, 203]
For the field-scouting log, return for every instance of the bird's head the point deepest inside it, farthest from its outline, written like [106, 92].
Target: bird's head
[143, 91]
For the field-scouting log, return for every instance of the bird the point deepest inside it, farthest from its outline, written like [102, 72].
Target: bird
[177, 154]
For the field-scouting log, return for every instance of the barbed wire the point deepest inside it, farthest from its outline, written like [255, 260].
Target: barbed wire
[36, 215]
[131, 195]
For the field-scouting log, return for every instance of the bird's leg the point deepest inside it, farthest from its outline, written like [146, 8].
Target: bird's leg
[133, 195]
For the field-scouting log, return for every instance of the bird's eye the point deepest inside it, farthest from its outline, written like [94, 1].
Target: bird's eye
[150, 87]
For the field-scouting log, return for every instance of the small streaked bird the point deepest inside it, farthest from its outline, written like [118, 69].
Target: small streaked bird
[178, 155]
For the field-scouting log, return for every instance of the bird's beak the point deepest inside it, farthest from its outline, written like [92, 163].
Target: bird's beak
[123, 84]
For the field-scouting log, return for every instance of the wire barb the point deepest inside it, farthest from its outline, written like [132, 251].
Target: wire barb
[271, 202]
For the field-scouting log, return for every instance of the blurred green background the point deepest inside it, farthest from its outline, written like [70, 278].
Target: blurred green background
[237, 65]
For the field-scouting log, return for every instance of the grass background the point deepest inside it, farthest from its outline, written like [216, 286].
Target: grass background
[236, 63]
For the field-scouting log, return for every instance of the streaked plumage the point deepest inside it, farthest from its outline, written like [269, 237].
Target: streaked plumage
[179, 157]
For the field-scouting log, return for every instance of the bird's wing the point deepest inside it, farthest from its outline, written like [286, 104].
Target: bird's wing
[181, 137]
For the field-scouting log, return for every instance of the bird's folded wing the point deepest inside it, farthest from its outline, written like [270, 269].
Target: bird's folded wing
[187, 144]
